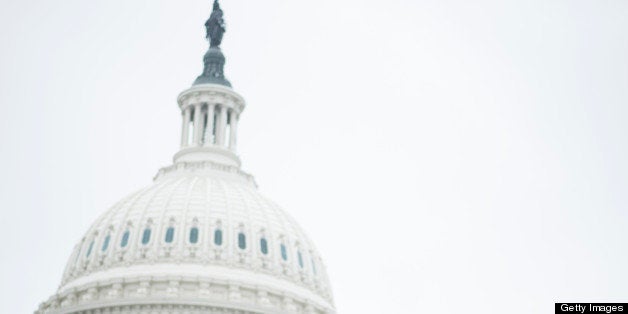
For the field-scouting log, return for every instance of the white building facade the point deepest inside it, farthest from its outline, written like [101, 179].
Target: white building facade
[201, 238]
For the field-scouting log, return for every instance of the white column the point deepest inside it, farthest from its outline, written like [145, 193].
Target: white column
[222, 126]
[210, 125]
[198, 124]
[233, 127]
[186, 123]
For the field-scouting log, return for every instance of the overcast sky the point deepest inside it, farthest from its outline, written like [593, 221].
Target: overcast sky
[443, 155]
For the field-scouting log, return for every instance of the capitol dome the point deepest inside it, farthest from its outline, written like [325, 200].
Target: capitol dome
[201, 238]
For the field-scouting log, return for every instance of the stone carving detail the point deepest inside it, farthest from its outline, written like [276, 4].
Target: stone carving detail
[262, 297]
[143, 289]
[173, 289]
[234, 293]
[203, 290]
[115, 291]
[158, 308]
[92, 301]
[289, 304]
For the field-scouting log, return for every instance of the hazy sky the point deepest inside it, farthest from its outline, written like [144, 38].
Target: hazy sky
[443, 155]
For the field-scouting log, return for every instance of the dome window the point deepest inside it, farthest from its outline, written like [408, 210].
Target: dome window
[313, 266]
[105, 244]
[241, 241]
[169, 234]
[284, 252]
[125, 239]
[89, 250]
[194, 235]
[218, 237]
[300, 257]
[146, 236]
[78, 253]
[263, 246]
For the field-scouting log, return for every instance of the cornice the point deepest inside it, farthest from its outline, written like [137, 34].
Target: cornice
[212, 94]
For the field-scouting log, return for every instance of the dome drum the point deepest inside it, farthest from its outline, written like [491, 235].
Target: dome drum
[148, 235]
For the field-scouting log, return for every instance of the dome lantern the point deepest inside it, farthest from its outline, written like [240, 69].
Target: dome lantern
[210, 109]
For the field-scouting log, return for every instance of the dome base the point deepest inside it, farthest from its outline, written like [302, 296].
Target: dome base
[221, 289]
[211, 153]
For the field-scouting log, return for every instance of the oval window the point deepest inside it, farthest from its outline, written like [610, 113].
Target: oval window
[89, 250]
[241, 241]
[263, 246]
[193, 235]
[78, 254]
[125, 239]
[146, 236]
[300, 257]
[284, 252]
[105, 244]
[218, 237]
[169, 234]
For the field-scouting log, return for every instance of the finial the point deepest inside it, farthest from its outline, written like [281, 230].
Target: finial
[215, 26]
[214, 60]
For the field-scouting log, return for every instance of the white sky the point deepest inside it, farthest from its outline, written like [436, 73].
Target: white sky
[443, 155]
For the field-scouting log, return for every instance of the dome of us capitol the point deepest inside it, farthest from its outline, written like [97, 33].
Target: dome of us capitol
[201, 238]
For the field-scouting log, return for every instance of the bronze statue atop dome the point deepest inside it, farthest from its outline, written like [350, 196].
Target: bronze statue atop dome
[215, 26]
[214, 60]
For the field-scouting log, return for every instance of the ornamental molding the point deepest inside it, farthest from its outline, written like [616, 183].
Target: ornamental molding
[211, 94]
[153, 255]
[177, 295]
[195, 166]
